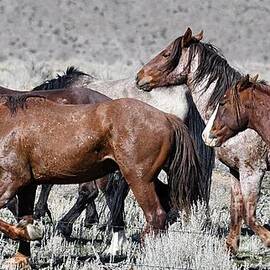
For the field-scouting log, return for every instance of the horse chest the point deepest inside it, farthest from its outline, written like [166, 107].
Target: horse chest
[244, 150]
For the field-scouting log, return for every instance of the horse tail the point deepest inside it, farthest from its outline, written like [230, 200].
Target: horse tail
[206, 154]
[185, 176]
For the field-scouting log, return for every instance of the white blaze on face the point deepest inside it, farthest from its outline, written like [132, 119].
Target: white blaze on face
[206, 133]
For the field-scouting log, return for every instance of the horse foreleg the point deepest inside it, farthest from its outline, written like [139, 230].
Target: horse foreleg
[41, 207]
[87, 193]
[12, 206]
[24, 230]
[26, 197]
[91, 214]
[250, 185]
[236, 212]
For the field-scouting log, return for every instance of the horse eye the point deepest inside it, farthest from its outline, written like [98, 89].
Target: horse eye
[222, 102]
[166, 54]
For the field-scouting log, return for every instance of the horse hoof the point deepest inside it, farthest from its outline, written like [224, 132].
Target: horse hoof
[18, 261]
[34, 231]
[118, 244]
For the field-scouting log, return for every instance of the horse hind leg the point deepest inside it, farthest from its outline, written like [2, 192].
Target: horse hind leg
[145, 193]
[91, 214]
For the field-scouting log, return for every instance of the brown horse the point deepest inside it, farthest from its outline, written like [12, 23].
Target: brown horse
[87, 191]
[208, 75]
[45, 142]
[245, 105]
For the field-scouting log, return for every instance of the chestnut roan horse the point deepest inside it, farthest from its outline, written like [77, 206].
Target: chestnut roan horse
[208, 75]
[45, 142]
[245, 105]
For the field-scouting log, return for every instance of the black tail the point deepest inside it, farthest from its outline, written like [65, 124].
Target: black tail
[185, 177]
[206, 154]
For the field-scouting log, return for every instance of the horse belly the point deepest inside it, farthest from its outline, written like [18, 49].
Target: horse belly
[72, 161]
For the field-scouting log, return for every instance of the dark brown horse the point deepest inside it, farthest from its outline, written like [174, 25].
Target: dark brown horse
[245, 105]
[45, 142]
[202, 68]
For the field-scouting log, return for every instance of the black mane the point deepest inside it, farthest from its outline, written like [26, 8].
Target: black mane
[15, 102]
[214, 67]
[71, 75]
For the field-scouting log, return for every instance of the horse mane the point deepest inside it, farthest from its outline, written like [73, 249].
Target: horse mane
[15, 102]
[214, 66]
[71, 75]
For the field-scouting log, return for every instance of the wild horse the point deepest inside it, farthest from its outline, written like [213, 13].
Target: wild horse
[175, 100]
[87, 191]
[46, 142]
[208, 75]
[244, 105]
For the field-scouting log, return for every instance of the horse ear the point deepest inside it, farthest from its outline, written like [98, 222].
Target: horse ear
[186, 38]
[199, 36]
[243, 83]
[255, 78]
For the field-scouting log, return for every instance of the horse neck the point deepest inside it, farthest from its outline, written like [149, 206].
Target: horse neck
[259, 115]
[201, 94]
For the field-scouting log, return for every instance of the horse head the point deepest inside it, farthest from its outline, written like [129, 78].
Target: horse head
[169, 66]
[231, 114]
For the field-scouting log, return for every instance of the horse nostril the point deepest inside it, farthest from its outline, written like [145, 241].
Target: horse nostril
[212, 136]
